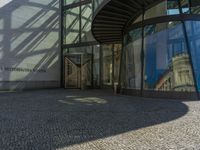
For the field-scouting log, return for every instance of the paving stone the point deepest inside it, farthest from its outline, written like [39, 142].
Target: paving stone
[96, 120]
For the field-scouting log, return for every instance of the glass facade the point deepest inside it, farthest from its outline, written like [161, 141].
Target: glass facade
[166, 59]
[78, 39]
[86, 20]
[163, 56]
[107, 65]
[133, 65]
[193, 31]
[71, 25]
[159, 56]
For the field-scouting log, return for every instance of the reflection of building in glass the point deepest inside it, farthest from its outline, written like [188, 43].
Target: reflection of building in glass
[161, 49]
[178, 77]
[164, 42]
[167, 62]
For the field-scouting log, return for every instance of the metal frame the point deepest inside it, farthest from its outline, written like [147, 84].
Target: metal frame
[101, 66]
[113, 65]
[142, 53]
[161, 19]
[61, 43]
[66, 57]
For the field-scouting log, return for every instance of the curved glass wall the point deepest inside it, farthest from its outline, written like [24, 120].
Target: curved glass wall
[133, 59]
[166, 59]
[163, 55]
[193, 30]
[171, 7]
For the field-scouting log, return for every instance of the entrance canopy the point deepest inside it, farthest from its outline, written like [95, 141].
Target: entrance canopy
[112, 16]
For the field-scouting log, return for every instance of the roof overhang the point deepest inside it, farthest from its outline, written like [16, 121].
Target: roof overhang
[112, 17]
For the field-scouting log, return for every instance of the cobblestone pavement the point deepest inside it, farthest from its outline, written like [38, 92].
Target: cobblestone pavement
[96, 120]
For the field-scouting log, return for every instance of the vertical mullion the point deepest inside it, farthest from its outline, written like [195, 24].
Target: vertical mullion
[92, 67]
[92, 8]
[80, 23]
[120, 67]
[113, 66]
[99, 51]
[62, 43]
[101, 65]
[142, 54]
[190, 6]
[81, 60]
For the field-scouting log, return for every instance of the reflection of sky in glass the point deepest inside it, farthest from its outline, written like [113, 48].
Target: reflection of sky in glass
[171, 42]
[185, 10]
[176, 11]
[172, 11]
[193, 32]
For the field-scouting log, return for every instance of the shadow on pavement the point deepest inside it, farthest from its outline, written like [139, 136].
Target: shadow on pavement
[52, 119]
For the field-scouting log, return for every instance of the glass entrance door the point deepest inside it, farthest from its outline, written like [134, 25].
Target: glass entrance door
[78, 71]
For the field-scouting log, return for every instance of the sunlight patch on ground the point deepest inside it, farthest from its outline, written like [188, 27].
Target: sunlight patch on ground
[87, 100]
[65, 102]
[91, 100]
